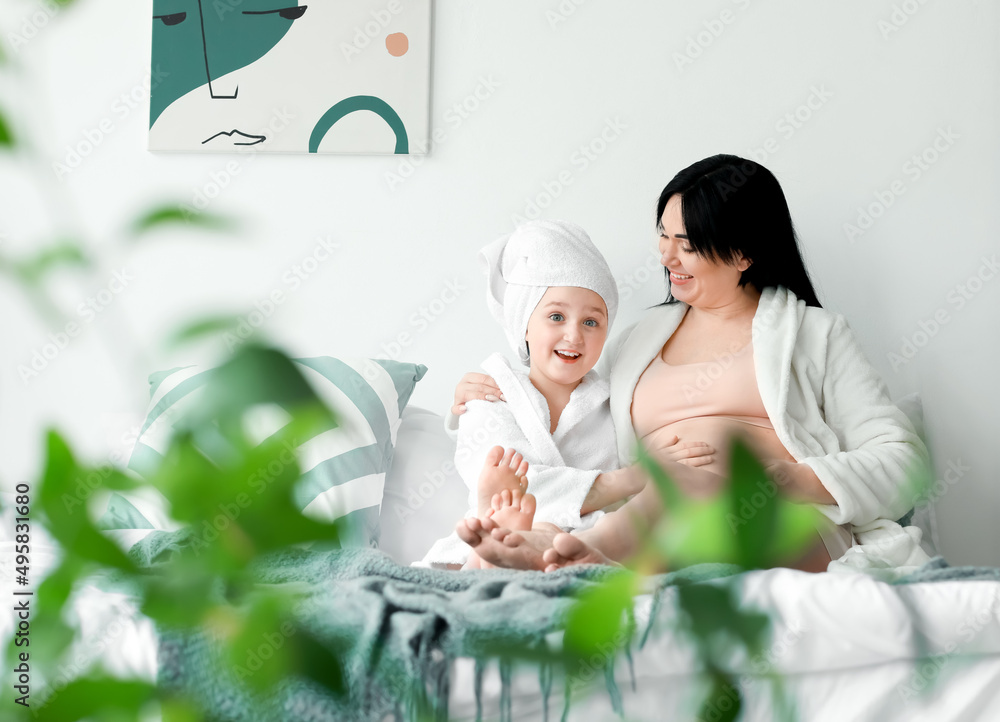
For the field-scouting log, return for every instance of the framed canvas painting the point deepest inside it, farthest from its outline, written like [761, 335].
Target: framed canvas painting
[317, 76]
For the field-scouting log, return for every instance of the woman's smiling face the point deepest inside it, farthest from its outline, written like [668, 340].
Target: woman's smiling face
[694, 279]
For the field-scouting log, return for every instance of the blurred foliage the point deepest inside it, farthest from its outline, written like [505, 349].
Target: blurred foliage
[600, 617]
[172, 215]
[6, 137]
[30, 271]
[205, 584]
[206, 327]
[748, 524]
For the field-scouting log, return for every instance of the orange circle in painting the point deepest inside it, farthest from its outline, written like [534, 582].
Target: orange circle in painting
[397, 44]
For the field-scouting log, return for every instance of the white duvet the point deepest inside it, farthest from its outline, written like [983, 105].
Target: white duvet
[849, 647]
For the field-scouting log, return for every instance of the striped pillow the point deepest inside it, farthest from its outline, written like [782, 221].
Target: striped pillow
[343, 469]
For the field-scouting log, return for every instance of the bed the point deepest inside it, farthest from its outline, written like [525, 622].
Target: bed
[845, 646]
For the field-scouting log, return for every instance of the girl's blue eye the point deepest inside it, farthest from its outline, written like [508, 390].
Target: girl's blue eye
[591, 322]
[556, 317]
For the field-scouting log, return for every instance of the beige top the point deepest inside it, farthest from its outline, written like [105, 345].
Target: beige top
[724, 387]
[713, 401]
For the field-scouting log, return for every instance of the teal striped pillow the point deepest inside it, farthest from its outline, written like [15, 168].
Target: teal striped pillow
[343, 469]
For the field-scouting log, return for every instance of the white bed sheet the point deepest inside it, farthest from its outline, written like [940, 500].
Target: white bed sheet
[849, 648]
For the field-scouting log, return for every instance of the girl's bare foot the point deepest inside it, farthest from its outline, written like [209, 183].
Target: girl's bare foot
[504, 547]
[501, 470]
[512, 510]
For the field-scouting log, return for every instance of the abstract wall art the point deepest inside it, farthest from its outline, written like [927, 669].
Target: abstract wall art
[318, 76]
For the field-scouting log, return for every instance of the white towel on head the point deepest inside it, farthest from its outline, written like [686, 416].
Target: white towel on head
[540, 254]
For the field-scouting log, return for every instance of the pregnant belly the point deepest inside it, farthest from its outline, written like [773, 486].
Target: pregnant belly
[719, 432]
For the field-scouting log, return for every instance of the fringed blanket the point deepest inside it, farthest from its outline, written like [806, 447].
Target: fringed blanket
[396, 629]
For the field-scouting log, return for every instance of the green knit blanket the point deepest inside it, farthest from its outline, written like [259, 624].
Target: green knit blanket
[397, 629]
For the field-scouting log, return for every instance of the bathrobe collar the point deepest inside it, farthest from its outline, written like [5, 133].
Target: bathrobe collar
[532, 410]
[775, 325]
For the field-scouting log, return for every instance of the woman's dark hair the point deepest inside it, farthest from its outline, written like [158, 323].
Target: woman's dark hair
[733, 206]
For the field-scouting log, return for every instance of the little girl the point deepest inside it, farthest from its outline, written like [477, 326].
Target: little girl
[553, 293]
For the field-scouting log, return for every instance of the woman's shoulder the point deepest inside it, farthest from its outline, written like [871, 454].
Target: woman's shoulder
[823, 318]
[652, 318]
[781, 305]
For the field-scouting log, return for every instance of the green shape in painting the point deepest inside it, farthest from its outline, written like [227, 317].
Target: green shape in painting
[352, 105]
[196, 42]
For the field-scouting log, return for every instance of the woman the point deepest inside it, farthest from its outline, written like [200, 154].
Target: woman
[740, 347]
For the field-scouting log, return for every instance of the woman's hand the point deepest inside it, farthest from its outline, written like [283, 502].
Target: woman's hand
[798, 481]
[692, 453]
[473, 387]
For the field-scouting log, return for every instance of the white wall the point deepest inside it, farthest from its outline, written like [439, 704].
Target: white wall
[551, 76]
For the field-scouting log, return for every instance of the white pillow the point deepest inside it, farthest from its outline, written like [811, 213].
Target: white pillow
[923, 515]
[424, 495]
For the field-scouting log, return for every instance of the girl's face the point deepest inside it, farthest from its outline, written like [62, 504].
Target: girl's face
[698, 281]
[566, 334]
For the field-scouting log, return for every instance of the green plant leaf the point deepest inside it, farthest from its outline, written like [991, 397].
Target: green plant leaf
[709, 607]
[260, 652]
[596, 622]
[770, 529]
[318, 660]
[169, 215]
[696, 533]
[178, 709]
[796, 530]
[669, 492]
[723, 702]
[748, 523]
[181, 594]
[114, 478]
[257, 375]
[240, 508]
[754, 508]
[204, 327]
[6, 136]
[85, 698]
[32, 271]
[715, 614]
[62, 497]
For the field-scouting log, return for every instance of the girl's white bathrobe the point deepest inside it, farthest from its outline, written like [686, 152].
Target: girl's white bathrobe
[562, 466]
[829, 409]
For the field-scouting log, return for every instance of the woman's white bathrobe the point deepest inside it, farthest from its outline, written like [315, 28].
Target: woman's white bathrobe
[829, 409]
[562, 466]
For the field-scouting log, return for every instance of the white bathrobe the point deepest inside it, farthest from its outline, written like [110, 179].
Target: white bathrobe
[829, 409]
[562, 466]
